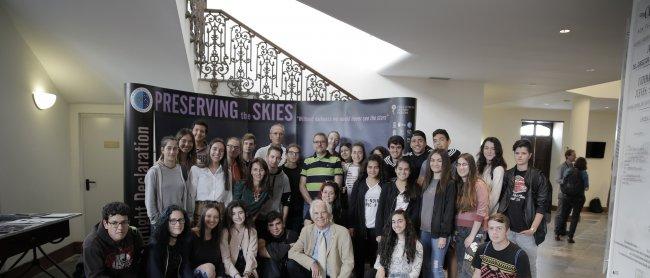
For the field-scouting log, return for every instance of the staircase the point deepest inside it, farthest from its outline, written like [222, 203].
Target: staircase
[229, 52]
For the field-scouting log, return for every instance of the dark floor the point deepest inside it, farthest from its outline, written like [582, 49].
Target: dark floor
[583, 259]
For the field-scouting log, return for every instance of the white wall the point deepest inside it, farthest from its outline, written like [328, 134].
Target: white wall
[602, 127]
[36, 169]
[504, 123]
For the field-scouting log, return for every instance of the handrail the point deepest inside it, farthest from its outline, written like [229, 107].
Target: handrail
[224, 52]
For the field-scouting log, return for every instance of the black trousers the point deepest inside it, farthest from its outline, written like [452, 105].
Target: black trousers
[296, 270]
[365, 249]
[570, 205]
[268, 268]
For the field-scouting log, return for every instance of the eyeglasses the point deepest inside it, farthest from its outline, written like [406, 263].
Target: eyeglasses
[292, 153]
[320, 142]
[232, 147]
[115, 224]
[462, 165]
[176, 221]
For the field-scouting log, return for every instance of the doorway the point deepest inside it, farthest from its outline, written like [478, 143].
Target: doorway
[540, 133]
[101, 145]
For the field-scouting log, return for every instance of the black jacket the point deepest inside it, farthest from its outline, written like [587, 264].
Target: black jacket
[537, 201]
[444, 211]
[357, 211]
[387, 203]
[158, 259]
[103, 257]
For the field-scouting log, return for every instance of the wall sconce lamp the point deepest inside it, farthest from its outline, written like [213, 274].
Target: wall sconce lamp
[44, 100]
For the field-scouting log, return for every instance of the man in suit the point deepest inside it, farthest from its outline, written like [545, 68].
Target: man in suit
[323, 249]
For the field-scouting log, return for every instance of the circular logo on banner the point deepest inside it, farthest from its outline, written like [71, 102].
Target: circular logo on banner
[141, 100]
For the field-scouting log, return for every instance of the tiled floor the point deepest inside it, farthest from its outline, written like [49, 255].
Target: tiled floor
[583, 259]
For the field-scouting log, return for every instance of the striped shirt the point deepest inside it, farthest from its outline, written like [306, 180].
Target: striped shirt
[318, 169]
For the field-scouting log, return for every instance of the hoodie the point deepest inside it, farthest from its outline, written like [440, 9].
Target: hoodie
[103, 257]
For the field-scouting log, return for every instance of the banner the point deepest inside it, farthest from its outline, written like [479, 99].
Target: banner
[153, 112]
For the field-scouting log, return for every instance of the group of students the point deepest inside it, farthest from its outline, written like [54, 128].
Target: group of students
[273, 214]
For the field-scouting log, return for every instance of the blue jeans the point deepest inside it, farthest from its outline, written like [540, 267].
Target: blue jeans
[464, 260]
[434, 257]
[527, 243]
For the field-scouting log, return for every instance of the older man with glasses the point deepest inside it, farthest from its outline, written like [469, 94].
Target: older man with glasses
[318, 168]
[323, 249]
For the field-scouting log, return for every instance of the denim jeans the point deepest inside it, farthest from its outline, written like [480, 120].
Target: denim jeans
[465, 269]
[526, 243]
[434, 257]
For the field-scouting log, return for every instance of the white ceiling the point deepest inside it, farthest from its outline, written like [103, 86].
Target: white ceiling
[91, 48]
[513, 46]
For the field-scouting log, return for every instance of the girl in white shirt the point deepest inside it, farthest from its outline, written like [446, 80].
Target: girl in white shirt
[400, 251]
[491, 167]
[211, 184]
[358, 156]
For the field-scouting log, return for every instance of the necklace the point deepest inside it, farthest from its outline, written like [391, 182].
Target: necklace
[257, 193]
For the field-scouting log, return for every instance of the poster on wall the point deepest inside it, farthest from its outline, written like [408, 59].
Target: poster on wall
[629, 247]
[154, 112]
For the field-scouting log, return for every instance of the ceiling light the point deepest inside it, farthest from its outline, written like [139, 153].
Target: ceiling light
[546, 104]
[44, 100]
[565, 31]
[591, 70]
[606, 107]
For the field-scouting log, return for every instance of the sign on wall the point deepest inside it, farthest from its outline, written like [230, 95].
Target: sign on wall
[629, 244]
[153, 112]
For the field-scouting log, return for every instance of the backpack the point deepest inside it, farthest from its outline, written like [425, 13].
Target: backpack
[595, 206]
[572, 184]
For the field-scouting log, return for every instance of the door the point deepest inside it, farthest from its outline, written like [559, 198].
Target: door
[102, 138]
[540, 133]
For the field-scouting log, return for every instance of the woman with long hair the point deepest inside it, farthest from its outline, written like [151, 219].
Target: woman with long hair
[164, 184]
[330, 192]
[471, 212]
[437, 220]
[169, 246]
[205, 252]
[401, 193]
[363, 213]
[210, 183]
[400, 252]
[351, 172]
[254, 190]
[345, 153]
[239, 242]
[491, 167]
[186, 152]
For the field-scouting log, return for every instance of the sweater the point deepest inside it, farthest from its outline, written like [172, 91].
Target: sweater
[231, 242]
[480, 213]
[494, 181]
[159, 258]
[103, 257]
[387, 203]
[164, 187]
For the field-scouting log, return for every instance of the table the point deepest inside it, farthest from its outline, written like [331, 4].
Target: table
[31, 231]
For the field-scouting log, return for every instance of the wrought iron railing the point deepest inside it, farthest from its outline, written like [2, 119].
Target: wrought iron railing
[227, 51]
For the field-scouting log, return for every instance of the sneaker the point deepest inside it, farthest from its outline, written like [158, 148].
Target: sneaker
[557, 238]
[571, 240]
